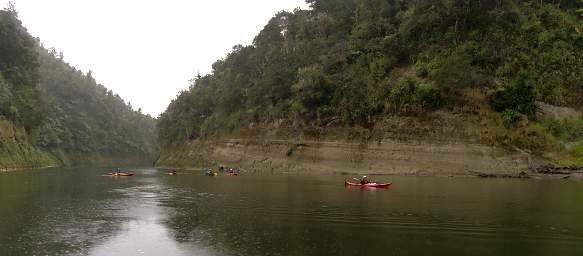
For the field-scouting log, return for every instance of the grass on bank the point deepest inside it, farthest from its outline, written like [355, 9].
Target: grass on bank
[567, 137]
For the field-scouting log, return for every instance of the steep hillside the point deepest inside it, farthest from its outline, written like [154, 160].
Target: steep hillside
[88, 122]
[52, 114]
[352, 64]
[17, 151]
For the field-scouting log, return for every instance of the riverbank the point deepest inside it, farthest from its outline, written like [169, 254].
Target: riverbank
[467, 142]
[17, 151]
[24, 169]
[22, 156]
[573, 175]
[439, 144]
[334, 157]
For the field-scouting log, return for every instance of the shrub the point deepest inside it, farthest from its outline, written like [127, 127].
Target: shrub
[511, 118]
[422, 69]
[456, 70]
[311, 91]
[535, 139]
[5, 96]
[565, 130]
[577, 151]
[519, 96]
[410, 95]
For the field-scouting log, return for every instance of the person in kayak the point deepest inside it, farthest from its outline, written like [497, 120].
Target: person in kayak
[364, 180]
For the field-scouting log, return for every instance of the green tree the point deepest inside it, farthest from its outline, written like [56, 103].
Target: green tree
[312, 91]
[518, 96]
[358, 61]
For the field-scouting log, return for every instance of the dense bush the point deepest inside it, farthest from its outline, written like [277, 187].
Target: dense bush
[409, 95]
[511, 117]
[577, 151]
[85, 117]
[21, 101]
[61, 108]
[519, 96]
[355, 61]
[565, 130]
[5, 98]
[311, 91]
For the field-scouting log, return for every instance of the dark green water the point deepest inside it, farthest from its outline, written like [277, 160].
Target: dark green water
[80, 212]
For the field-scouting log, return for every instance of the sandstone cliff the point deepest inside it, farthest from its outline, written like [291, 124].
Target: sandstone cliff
[441, 144]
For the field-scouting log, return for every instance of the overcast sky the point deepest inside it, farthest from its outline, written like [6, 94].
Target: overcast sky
[147, 50]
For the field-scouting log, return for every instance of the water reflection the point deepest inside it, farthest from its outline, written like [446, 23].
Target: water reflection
[52, 212]
[144, 234]
[314, 216]
[79, 212]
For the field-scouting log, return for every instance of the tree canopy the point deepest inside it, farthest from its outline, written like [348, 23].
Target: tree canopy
[83, 116]
[62, 108]
[20, 100]
[357, 60]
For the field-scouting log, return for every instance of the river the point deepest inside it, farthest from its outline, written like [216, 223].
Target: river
[81, 212]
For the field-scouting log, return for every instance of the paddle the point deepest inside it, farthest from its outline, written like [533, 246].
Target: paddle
[359, 180]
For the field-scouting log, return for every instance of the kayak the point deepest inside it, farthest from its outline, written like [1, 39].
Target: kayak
[232, 174]
[368, 185]
[121, 174]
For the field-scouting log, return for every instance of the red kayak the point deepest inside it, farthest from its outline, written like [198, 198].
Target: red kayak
[121, 174]
[232, 174]
[368, 185]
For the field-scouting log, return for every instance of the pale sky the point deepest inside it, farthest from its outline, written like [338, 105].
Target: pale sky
[147, 50]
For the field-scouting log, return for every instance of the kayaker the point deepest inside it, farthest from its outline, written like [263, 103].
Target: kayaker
[209, 172]
[364, 180]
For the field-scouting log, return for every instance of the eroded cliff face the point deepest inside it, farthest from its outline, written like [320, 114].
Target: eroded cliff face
[387, 157]
[441, 145]
[17, 152]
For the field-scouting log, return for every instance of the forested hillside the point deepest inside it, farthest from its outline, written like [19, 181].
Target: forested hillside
[53, 114]
[20, 99]
[355, 62]
[83, 117]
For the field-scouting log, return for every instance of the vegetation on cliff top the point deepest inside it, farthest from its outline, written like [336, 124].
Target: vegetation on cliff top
[349, 61]
[85, 117]
[62, 110]
[360, 60]
[20, 99]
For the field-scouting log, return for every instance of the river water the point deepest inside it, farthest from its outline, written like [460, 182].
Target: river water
[82, 212]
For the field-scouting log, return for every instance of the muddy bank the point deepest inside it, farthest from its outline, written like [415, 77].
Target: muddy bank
[382, 157]
[456, 143]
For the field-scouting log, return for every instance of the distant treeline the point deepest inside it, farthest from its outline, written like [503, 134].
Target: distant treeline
[358, 60]
[61, 108]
